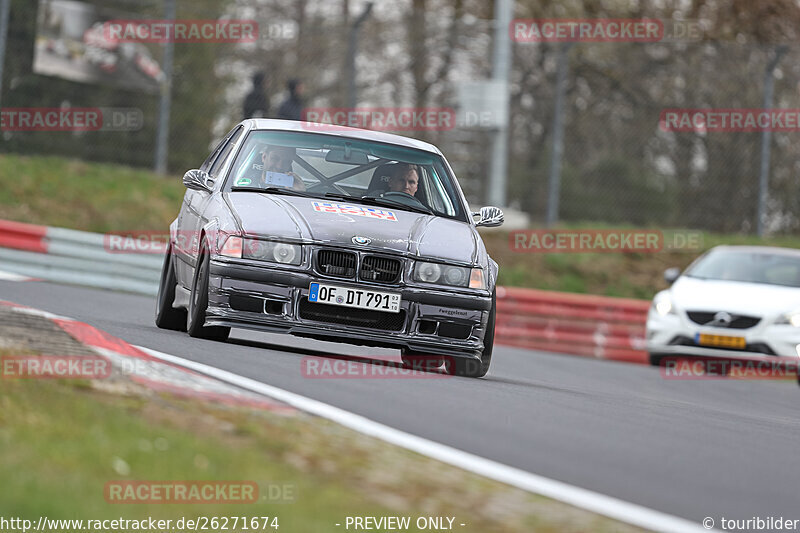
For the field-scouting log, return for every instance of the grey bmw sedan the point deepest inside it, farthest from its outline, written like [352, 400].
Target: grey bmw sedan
[337, 234]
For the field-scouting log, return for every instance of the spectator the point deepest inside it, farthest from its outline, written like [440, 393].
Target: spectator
[256, 104]
[292, 107]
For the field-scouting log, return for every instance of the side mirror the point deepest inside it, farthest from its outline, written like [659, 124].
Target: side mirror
[671, 274]
[490, 217]
[198, 180]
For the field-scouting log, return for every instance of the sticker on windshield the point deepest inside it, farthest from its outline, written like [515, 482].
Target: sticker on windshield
[242, 182]
[357, 210]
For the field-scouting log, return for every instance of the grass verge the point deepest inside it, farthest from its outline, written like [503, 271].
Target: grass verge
[62, 442]
[86, 196]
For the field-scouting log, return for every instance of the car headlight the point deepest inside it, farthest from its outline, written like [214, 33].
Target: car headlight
[455, 276]
[792, 319]
[274, 252]
[662, 304]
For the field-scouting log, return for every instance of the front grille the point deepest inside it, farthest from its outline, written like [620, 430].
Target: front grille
[336, 263]
[348, 316]
[737, 321]
[380, 269]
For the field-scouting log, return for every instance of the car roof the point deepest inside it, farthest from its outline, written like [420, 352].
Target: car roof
[758, 249]
[339, 131]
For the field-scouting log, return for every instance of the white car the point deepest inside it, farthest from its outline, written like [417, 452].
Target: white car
[733, 301]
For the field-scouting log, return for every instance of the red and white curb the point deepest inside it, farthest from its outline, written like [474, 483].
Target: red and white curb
[152, 372]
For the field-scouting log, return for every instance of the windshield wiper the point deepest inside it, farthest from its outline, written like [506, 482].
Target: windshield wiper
[374, 200]
[390, 203]
[340, 196]
[273, 190]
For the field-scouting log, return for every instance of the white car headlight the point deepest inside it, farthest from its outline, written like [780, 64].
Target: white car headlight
[792, 319]
[662, 304]
[274, 252]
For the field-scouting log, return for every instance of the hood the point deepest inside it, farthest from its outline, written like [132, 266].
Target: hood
[690, 294]
[330, 222]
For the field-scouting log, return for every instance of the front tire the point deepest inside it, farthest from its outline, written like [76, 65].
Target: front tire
[472, 368]
[168, 317]
[198, 304]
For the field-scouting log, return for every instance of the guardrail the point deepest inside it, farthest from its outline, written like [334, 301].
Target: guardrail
[75, 257]
[578, 324]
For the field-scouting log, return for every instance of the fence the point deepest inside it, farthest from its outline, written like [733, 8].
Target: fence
[619, 165]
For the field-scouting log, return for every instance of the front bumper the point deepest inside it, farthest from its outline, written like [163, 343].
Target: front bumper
[674, 334]
[271, 299]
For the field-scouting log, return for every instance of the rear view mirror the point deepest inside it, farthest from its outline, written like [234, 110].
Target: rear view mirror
[198, 180]
[347, 156]
[671, 274]
[490, 217]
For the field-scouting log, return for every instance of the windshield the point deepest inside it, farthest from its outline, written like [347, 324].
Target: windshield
[751, 267]
[354, 170]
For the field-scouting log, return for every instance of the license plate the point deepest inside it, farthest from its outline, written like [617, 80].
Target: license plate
[720, 341]
[359, 298]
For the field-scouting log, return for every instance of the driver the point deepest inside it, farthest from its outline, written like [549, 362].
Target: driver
[279, 159]
[404, 178]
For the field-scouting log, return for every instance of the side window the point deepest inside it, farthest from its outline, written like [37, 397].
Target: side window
[215, 152]
[207, 163]
[438, 197]
[225, 153]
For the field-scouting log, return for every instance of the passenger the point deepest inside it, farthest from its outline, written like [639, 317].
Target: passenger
[278, 159]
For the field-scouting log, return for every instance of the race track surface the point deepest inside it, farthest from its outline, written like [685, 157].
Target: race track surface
[719, 448]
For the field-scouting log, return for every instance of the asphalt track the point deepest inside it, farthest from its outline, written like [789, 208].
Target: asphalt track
[694, 449]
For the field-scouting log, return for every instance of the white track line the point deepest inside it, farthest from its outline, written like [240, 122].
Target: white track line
[585, 499]
[10, 276]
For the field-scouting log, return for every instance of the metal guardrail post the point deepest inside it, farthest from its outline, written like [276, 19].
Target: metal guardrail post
[162, 137]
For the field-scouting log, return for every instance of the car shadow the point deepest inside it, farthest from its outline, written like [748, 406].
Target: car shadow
[307, 352]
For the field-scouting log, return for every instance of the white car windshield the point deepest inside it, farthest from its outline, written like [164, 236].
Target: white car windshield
[748, 266]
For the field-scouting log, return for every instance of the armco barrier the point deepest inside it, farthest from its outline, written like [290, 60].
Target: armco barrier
[22, 236]
[76, 257]
[578, 324]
